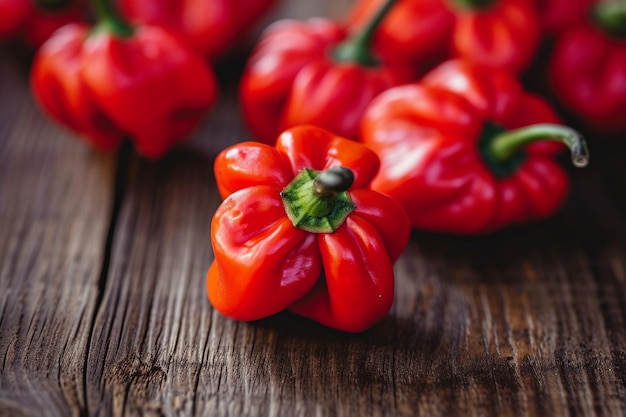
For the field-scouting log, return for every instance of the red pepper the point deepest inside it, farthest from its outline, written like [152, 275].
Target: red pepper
[587, 68]
[308, 73]
[467, 150]
[14, 14]
[116, 81]
[557, 15]
[36, 20]
[210, 26]
[300, 230]
[502, 33]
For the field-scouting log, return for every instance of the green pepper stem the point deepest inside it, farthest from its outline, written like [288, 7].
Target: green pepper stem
[471, 4]
[507, 144]
[610, 16]
[358, 48]
[110, 19]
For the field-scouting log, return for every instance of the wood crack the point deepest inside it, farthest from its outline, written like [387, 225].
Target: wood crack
[120, 185]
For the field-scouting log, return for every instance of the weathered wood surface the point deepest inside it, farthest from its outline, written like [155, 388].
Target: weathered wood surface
[103, 306]
[55, 204]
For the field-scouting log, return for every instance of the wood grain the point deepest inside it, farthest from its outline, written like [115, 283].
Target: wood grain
[56, 197]
[104, 312]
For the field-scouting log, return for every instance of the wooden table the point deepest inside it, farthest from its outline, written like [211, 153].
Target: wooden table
[103, 306]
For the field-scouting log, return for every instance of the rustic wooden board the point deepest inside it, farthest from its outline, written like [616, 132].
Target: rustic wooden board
[55, 209]
[104, 312]
[528, 322]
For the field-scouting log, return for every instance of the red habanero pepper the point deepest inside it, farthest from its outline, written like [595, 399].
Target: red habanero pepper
[308, 73]
[557, 15]
[468, 151]
[115, 81]
[501, 33]
[210, 26]
[587, 68]
[36, 20]
[300, 230]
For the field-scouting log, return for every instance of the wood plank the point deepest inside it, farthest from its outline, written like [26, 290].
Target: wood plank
[56, 197]
[527, 322]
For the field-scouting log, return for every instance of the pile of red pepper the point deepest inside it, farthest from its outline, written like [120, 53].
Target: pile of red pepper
[142, 71]
[436, 90]
[407, 114]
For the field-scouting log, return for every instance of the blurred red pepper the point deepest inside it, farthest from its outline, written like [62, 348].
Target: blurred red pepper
[557, 15]
[587, 68]
[117, 81]
[308, 73]
[36, 20]
[210, 26]
[300, 230]
[13, 14]
[502, 33]
[467, 150]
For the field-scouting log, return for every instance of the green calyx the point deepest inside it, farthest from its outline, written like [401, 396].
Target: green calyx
[610, 16]
[358, 48]
[317, 201]
[503, 150]
[110, 20]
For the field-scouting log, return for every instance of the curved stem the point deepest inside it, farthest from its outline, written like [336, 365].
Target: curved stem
[109, 17]
[507, 144]
[611, 17]
[357, 48]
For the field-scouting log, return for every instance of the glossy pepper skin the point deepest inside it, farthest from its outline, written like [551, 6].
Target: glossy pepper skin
[145, 85]
[210, 26]
[36, 20]
[501, 33]
[440, 158]
[265, 264]
[587, 70]
[296, 75]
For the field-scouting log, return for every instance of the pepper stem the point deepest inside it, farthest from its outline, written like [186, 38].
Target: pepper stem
[471, 5]
[611, 17]
[358, 48]
[318, 202]
[110, 18]
[332, 181]
[507, 144]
